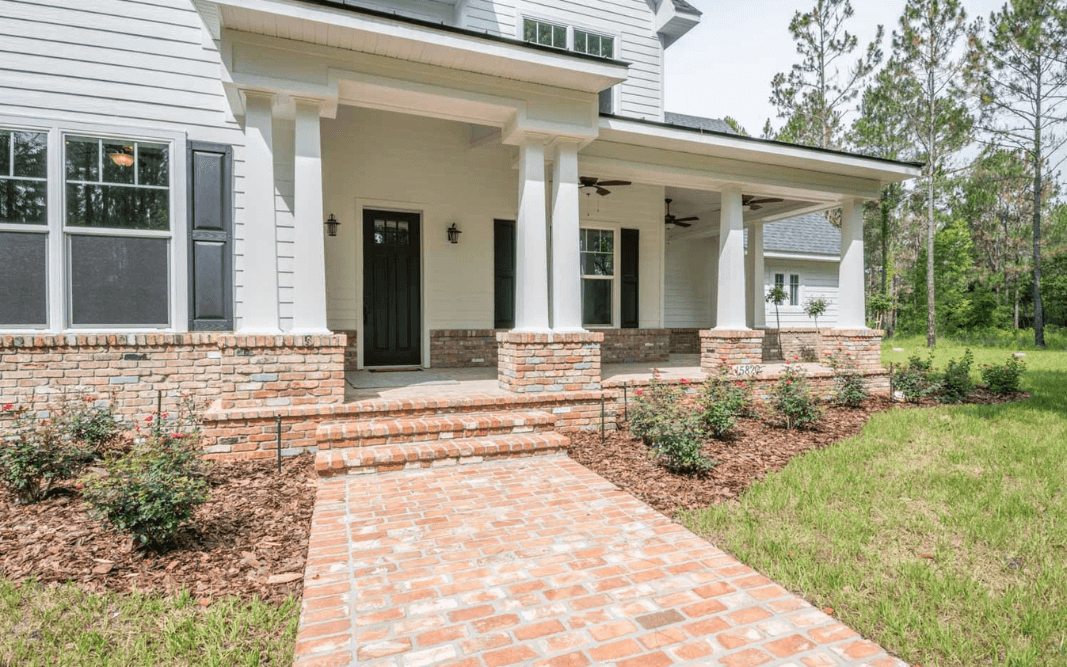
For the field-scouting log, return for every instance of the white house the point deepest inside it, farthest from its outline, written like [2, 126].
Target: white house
[167, 167]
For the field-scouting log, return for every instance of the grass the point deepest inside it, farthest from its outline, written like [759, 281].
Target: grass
[63, 626]
[940, 533]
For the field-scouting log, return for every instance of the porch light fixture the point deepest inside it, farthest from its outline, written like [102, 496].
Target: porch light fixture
[331, 225]
[123, 157]
[453, 234]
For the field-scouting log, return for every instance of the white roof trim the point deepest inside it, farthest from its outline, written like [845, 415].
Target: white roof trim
[473, 52]
[807, 257]
[655, 135]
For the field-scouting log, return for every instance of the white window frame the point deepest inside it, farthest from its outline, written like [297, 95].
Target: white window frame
[58, 255]
[16, 126]
[786, 286]
[616, 37]
[616, 293]
[554, 23]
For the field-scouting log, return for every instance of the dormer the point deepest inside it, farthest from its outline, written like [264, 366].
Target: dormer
[674, 18]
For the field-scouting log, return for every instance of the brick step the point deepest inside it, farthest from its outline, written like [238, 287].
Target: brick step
[429, 428]
[438, 453]
[416, 407]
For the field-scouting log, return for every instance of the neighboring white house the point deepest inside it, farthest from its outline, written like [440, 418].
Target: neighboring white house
[167, 166]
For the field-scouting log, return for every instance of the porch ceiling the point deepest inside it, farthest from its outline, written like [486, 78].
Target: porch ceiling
[339, 25]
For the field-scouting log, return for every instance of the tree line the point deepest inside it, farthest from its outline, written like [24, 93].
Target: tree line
[980, 239]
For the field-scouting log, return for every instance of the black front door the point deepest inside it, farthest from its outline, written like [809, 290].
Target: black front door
[392, 322]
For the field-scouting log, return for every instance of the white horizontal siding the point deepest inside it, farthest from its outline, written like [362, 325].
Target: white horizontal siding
[690, 283]
[141, 64]
[818, 280]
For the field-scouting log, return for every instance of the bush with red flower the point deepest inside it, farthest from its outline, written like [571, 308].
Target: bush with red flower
[722, 401]
[672, 429]
[793, 405]
[36, 451]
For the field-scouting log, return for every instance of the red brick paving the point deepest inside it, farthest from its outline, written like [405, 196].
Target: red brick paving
[538, 561]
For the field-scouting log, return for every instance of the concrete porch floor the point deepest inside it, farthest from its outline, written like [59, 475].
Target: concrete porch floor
[452, 382]
[445, 382]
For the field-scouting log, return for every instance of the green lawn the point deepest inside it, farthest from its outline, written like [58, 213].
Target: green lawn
[61, 626]
[940, 533]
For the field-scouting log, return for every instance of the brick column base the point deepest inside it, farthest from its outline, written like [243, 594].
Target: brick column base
[539, 362]
[733, 348]
[864, 345]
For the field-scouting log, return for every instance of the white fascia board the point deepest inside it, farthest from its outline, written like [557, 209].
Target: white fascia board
[800, 256]
[536, 65]
[842, 164]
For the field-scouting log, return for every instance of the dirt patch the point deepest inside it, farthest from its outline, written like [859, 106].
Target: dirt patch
[754, 449]
[249, 539]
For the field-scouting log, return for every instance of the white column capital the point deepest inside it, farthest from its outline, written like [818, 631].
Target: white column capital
[253, 95]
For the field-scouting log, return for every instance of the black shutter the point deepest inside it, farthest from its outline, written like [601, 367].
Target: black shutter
[629, 260]
[210, 237]
[504, 274]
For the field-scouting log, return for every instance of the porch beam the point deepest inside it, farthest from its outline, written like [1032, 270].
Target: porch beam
[309, 254]
[851, 313]
[566, 255]
[259, 298]
[730, 301]
[531, 239]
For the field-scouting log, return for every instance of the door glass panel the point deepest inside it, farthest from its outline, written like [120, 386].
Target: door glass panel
[379, 232]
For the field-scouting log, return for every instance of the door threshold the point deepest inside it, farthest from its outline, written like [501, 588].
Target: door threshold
[391, 369]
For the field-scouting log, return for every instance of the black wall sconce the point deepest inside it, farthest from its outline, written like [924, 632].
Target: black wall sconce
[453, 234]
[331, 225]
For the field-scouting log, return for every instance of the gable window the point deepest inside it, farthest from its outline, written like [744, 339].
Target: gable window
[546, 34]
[23, 229]
[597, 247]
[792, 290]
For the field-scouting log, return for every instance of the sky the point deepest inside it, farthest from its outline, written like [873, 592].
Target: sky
[724, 66]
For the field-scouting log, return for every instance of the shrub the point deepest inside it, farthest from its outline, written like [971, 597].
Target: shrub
[849, 387]
[955, 385]
[91, 422]
[792, 401]
[673, 430]
[915, 380]
[1005, 378]
[156, 487]
[722, 401]
[35, 455]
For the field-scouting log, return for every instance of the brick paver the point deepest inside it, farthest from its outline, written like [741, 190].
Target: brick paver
[538, 561]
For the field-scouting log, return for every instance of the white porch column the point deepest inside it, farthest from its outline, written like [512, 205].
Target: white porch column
[730, 303]
[531, 252]
[566, 272]
[851, 308]
[309, 254]
[259, 308]
[757, 310]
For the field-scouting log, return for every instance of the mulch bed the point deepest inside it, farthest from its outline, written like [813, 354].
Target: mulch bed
[754, 449]
[249, 539]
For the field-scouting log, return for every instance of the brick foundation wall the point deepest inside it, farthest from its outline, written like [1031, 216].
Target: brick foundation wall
[351, 349]
[864, 346]
[542, 362]
[733, 348]
[627, 346]
[685, 341]
[222, 369]
[803, 343]
[463, 348]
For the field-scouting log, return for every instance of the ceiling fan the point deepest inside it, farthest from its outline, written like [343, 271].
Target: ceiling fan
[680, 222]
[753, 203]
[590, 184]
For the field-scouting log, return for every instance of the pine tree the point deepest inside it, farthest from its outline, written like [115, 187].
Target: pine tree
[925, 47]
[1020, 72]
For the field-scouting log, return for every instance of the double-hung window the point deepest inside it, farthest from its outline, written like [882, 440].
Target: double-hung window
[544, 33]
[117, 225]
[597, 248]
[23, 229]
[793, 289]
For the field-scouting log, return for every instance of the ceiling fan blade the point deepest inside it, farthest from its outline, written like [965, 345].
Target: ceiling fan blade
[611, 183]
[754, 207]
[766, 200]
[602, 192]
[682, 224]
[691, 218]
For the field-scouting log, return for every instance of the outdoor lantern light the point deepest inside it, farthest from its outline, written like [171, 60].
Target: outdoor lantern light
[453, 234]
[331, 225]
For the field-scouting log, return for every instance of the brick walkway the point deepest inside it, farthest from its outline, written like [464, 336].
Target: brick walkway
[538, 561]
